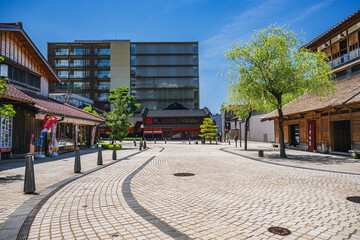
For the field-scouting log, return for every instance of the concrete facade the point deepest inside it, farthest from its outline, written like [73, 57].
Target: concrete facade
[120, 63]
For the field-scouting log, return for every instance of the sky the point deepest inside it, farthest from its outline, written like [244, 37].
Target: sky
[216, 25]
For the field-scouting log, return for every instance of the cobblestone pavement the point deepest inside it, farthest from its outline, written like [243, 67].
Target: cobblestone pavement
[47, 172]
[229, 197]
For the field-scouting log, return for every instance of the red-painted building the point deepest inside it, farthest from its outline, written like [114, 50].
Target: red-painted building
[174, 122]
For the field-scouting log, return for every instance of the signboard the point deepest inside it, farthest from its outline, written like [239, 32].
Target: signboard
[311, 135]
[6, 134]
[93, 132]
[76, 134]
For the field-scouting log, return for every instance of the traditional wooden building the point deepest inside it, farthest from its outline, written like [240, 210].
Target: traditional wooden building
[28, 77]
[173, 123]
[329, 124]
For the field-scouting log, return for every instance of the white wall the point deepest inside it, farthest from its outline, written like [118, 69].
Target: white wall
[257, 129]
[44, 87]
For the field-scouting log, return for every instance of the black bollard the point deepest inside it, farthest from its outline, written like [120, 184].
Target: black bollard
[140, 145]
[189, 141]
[229, 141]
[155, 141]
[114, 152]
[165, 140]
[236, 144]
[77, 164]
[29, 183]
[216, 141]
[99, 159]
[261, 153]
[134, 143]
[145, 144]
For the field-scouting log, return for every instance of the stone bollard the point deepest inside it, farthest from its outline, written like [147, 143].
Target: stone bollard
[165, 140]
[29, 183]
[229, 141]
[140, 145]
[134, 143]
[114, 152]
[236, 144]
[77, 164]
[145, 144]
[189, 141]
[155, 141]
[99, 158]
[216, 141]
[261, 153]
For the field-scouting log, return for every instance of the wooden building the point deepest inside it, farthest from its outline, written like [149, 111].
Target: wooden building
[329, 124]
[173, 123]
[29, 75]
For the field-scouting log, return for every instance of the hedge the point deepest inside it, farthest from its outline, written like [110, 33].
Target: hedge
[110, 146]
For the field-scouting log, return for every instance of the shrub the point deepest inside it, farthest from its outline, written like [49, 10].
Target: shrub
[110, 146]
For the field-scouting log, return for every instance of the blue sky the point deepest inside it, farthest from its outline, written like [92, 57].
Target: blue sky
[214, 24]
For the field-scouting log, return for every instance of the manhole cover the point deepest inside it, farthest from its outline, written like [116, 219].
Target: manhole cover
[183, 174]
[355, 199]
[279, 231]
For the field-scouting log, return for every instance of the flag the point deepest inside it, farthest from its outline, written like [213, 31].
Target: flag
[53, 136]
[48, 122]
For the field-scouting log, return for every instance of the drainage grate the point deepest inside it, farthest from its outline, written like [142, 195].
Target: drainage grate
[280, 231]
[183, 174]
[355, 199]
[115, 235]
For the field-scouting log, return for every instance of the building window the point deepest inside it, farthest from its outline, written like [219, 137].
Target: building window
[103, 97]
[102, 74]
[195, 48]
[63, 74]
[78, 74]
[61, 86]
[104, 85]
[61, 63]
[102, 62]
[102, 51]
[80, 85]
[133, 49]
[132, 71]
[77, 63]
[61, 51]
[23, 77]
[196, 83]
[133, 60]
[343, 47]
[195, 60]
[195, 70]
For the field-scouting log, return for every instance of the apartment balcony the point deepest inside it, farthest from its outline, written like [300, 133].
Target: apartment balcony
[103, 64]
[61, 64]
[77, 64]
[103, 76]
[76, 76]
[61, 53]
[345, 58]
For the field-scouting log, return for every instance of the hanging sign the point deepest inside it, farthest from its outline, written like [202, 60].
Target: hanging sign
[311, 135]
[6, 134]
[48, 122]
[53, 137]
[93, 132]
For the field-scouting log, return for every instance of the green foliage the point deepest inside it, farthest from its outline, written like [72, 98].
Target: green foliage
[271, 70]
[6, 110]
[110, 146]
[123, 109]
[131, 138]
[90, 110]
[208, 129]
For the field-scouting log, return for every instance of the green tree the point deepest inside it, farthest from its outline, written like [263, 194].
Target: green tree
[208, 129]
[123, 109]
[90, 110]
[6, 110]
[272, 69]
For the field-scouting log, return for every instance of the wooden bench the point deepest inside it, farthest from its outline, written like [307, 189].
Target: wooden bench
[355, 154]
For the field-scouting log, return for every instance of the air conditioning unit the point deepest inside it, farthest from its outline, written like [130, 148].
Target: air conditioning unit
[3, 70]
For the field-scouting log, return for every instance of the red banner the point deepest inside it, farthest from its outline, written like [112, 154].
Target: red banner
[93, 132]
[53, 136]
[76, 134]
[48, 122]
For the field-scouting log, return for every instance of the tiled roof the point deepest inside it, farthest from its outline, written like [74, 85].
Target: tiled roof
[346, 89]
[48, 105]
[353, 17]
[177, 113]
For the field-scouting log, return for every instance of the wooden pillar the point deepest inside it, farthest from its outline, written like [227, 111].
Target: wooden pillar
[351, 130]
[329, 131]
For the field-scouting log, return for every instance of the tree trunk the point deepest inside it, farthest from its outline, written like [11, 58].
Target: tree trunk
[246, 131]
[281, 134]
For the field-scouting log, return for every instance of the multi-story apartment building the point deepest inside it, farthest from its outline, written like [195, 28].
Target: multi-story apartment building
[333, 124]
[158, 74]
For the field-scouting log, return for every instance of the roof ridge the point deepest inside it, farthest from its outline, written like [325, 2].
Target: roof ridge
[102, 118]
